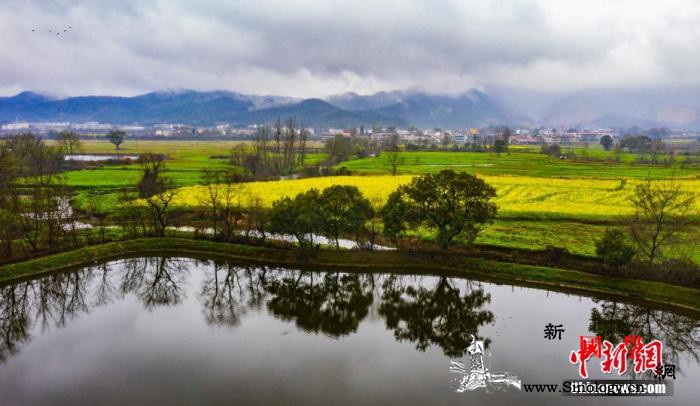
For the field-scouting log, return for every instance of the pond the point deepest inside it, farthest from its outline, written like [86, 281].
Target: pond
[162, 330]
[96, 158]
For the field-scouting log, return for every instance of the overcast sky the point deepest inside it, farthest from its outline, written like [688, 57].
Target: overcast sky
[317, 48]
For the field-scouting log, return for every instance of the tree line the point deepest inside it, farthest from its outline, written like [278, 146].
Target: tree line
[456, 205]
[35, 212]
[277, 150]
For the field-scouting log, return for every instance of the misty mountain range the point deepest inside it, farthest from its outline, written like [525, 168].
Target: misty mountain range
[610, 108]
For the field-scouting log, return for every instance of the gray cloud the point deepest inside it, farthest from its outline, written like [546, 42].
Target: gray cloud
[317, 48]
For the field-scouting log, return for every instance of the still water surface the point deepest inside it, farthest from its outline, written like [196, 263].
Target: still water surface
[182, 331]
[95, 158]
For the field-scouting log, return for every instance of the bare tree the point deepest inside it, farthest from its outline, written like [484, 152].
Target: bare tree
[663, 212]
[372, 229]
[10, 193]
[229, 206]
[157, 190]
[35, 206]
[211, 199]
[277, 134]
[95, 209]
[131, 215]
[392, 154]
[160, 204]
[70, 142]
[289, 153]
[656, 149]
[258, 216]
[303, 136]
[238, 154]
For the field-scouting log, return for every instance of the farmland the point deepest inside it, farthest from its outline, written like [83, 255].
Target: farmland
[185, 162]
[533, 212]
[543, 201]
[525, 162]
[186, 159]
[518, 197]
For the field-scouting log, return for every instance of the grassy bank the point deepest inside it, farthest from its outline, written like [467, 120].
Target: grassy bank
[662, 295]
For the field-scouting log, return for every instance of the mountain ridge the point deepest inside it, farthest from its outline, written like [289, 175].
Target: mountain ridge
[397, 108]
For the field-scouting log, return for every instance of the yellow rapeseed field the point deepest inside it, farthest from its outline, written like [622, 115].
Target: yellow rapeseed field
[516, 195]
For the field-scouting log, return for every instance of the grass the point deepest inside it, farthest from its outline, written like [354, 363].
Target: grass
[185, 162]
[576, 237]
[661, 294]
[184, 165]
[520, 162]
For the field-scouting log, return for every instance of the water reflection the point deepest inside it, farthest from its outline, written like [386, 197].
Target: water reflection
[156, 281]
[227, 292]
[330, 303]
[438, 312]
[439, 315]
[679, 334]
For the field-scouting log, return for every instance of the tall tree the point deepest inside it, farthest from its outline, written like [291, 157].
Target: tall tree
[211, 199]
[392, 154]
[116, 137]
[663, 212]
[303, 137]
[454, 204]
[299, 217]
[344, 211]
[500, 146]
[70, 142]
[157, 190]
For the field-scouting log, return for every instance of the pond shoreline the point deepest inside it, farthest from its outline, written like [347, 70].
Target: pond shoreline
[661, 295]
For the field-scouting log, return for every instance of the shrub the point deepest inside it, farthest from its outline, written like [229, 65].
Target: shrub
[614, 248]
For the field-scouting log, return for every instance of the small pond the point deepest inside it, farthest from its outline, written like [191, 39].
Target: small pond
[96, 158]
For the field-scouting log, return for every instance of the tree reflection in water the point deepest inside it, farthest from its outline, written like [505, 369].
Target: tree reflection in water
[440, 315]
[331, 303]
[426, 311]
[54, 300]
[14, 318]
[156, 281]
[679, 334]
[228, 292]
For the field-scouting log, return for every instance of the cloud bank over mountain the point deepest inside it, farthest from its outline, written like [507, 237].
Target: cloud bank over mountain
[306, 48]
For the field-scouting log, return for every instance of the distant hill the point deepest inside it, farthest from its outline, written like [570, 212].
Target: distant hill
[208, 108]
[616, 108]
[471, 109]
[593, 108]
[354, 101]
[188, 107]
[317, 112]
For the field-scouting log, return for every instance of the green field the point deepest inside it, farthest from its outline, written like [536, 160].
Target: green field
[186, 159]
[184, 163]
[523, 162]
